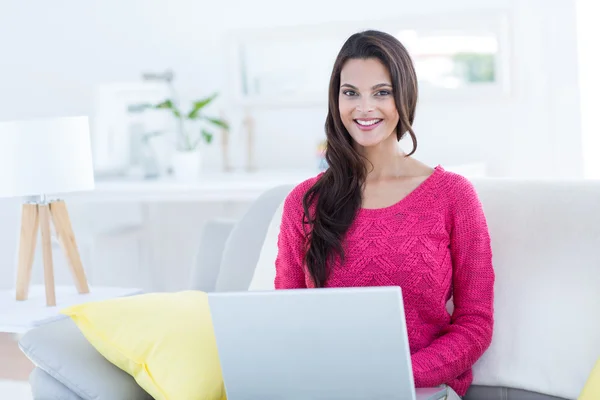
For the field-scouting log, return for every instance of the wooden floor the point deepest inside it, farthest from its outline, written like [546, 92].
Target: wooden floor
[13, 363]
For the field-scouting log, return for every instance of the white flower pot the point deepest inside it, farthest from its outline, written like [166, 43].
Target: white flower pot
[186, 165]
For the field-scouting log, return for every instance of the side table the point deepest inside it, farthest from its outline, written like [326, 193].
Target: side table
[18, 317]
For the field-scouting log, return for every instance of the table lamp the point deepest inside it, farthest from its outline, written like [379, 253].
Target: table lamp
[39, 160]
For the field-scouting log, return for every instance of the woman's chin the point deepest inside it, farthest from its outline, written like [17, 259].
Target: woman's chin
[363, 140]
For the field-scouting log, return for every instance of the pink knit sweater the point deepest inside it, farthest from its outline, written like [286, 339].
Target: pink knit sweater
[435, 245]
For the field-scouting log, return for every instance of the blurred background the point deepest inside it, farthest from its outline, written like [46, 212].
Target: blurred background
[197, 106]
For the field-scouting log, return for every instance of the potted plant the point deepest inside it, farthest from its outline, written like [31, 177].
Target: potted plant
[192, 131]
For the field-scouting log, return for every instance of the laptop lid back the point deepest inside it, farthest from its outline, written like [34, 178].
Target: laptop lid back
[343, 343]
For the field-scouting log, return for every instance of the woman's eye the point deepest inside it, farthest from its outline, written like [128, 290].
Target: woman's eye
[349, 92]
[383, 93]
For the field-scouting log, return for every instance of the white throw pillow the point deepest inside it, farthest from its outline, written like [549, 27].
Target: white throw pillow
[264, 273]
[545, 240]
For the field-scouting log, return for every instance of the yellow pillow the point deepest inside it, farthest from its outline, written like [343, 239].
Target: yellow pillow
[591, 390]
[164, 340]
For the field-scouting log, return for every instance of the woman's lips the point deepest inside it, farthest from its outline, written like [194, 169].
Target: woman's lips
[368, 124]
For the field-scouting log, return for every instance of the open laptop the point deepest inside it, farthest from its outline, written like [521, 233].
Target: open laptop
[309, 344]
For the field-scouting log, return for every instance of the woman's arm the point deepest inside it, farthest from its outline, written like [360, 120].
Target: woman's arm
[291, 244]
[470, 332]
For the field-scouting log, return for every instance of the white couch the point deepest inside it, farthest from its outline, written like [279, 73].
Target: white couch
[546, 245]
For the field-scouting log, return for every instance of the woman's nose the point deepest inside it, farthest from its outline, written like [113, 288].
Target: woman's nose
[364, 105]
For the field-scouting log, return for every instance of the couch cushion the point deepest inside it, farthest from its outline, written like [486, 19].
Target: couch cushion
[264, 273]
[164, 340]
[60, 350]
[244, 244]
[545, 241]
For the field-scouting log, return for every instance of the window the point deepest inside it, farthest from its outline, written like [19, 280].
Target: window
[452, 61]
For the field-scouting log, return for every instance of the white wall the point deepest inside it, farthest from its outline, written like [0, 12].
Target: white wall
[53, 53]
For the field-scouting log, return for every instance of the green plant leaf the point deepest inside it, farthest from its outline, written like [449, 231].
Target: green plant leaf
[199, 105]
[169, 105]
[208, 137]
[217, 121]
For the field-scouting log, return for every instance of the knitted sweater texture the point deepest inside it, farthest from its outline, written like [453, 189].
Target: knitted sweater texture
[435, 245]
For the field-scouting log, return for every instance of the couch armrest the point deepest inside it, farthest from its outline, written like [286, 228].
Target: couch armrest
[45, 387]
[61, 351]
[244, 244]
[207, 262]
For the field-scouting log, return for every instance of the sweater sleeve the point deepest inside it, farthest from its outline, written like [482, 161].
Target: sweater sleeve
[470, 332]
[289, 271]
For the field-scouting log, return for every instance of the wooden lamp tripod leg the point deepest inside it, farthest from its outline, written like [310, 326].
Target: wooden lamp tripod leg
[27, 243]
[66, 237]
[47, 254]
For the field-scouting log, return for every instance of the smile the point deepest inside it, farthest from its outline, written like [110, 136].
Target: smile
[368, 124]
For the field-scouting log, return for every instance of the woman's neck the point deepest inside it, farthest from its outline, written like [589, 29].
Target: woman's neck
[384, 162]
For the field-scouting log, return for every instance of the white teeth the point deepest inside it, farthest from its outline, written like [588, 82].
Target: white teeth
[367, 123]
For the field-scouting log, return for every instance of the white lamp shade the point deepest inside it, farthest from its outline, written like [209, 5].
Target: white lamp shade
[45, 157]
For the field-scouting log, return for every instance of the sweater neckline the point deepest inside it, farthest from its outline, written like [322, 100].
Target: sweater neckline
[394, 208]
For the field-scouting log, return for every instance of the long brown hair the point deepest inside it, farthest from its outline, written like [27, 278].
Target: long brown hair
[338, 192]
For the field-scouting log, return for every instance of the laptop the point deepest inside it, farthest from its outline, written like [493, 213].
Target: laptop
[315, 344]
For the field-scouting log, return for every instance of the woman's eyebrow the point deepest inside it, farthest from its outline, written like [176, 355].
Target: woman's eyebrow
[379, 85]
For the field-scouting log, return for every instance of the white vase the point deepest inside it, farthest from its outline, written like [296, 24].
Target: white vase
[186, 165]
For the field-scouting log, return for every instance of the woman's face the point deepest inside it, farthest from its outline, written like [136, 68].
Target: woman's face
[366, 102]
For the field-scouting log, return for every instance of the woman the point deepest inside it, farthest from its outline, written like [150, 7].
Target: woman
[379, 217]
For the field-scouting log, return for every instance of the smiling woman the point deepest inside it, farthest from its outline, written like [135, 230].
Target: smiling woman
[379, 217]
